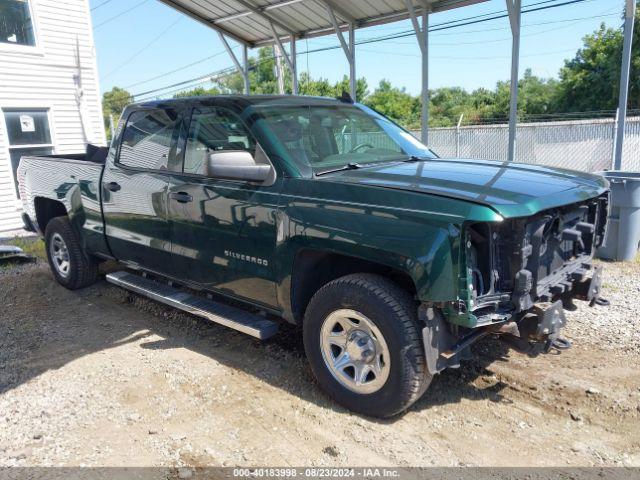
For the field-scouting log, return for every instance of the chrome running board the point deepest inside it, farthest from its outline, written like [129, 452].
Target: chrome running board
[226, 315]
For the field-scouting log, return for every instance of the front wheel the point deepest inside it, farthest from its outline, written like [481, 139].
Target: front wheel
[363, 342]
[70, 264]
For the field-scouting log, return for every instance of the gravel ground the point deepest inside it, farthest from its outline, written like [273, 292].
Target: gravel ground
[102, 377]
[617, 326]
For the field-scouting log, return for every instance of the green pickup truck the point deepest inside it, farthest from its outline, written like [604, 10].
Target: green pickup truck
[327, 215]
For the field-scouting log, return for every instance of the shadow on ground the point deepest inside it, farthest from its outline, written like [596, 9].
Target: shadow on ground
[44, 326]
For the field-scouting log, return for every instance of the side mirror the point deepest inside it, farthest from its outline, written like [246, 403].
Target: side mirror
[237, 165]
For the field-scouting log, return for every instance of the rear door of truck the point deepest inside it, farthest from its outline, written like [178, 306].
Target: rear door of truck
[135, 184]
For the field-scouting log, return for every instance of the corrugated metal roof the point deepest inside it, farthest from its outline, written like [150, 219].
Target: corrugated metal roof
[248, 21]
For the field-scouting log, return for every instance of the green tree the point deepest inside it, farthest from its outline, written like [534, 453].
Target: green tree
[316, 88]
[591, 80]
[262, 78]
[395, 103]
[113, 102]
[322, 87]
[537, 94]
[447, 104]
[362, 88]
[198, 92]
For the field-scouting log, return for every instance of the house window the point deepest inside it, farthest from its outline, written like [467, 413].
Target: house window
[16, 24]
[29, 134]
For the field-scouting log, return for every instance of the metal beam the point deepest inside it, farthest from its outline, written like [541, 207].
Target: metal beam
[349, 49]
[230, 52]
[242, 67]
[266, 11]
[207, 22]
[515, 10]
[290, 59]
[265, 15]
[629, 16]
[414, 21]
[422, 34]
[424, 130]
[291, 63]
[336, 28]
[371, 21]
[266, 8]
[337, 8]
[277, 41]
[352, 63]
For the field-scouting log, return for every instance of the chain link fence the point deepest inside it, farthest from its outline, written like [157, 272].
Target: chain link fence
[585, 145]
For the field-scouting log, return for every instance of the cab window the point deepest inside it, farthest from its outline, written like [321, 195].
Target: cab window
[149, 139]
[211, 130]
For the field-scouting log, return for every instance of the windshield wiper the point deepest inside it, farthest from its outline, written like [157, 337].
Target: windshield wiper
[348, 166]
[355, 166]
[415, 158]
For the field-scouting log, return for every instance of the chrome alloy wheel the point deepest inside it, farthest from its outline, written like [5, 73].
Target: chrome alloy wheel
[59, 255]
[354, 351]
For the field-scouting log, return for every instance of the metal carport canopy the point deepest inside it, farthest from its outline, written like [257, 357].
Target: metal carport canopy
[255, 23]
[249, 21]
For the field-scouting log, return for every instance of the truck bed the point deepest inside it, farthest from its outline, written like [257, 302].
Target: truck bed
[93, 154]
[72, 180]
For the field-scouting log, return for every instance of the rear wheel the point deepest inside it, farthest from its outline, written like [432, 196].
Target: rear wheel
[363, 342]
[70, 264]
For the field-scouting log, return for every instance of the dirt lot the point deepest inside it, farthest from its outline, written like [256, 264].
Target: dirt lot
[103, 377]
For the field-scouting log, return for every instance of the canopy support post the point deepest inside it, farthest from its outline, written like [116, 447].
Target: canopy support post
[352, 62]
[424, 131]
[629, 16]
[242, 68]
[422, 34]
[348, 49]
[514, 9]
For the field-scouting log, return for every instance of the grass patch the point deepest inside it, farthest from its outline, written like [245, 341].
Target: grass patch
[33, 246]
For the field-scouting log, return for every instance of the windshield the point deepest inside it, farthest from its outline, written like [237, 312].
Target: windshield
[324, 138]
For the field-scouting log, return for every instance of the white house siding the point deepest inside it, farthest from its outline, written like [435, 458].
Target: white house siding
[43, 77]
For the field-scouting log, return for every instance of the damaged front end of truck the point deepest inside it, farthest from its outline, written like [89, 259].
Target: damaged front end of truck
[516, 279]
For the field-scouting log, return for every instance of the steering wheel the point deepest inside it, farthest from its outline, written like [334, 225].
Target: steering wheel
[359, 146]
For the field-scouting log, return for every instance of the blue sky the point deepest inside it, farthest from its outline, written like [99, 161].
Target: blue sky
[153, 39]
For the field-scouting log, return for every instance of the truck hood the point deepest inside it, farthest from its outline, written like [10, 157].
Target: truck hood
[513, 190]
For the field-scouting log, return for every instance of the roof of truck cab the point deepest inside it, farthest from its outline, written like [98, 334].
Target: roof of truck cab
[242, 100]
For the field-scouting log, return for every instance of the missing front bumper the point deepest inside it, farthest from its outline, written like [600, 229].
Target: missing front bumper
[542, 322]
[589, 289]
[537, 330]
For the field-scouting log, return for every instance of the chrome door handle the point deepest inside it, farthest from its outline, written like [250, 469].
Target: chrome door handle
[181, 197]
[113, 186]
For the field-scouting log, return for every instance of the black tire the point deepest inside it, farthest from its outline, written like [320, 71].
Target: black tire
[82, 268]
[394, 312]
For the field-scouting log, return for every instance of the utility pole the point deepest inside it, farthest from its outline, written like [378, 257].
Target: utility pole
[278, 53]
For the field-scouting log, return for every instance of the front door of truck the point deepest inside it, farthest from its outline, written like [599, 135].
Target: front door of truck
[223, 232]
[135, 184]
